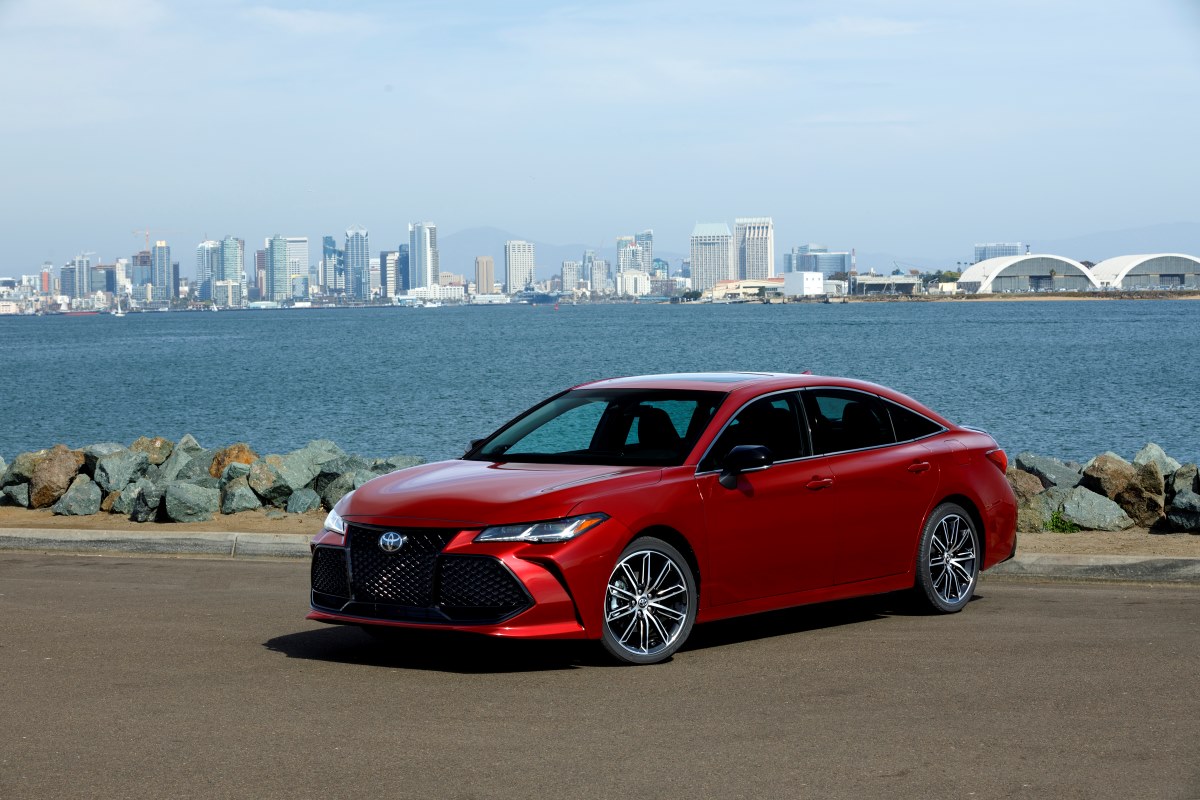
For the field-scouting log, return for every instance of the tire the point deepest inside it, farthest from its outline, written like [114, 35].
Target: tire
[649, 603]
[947, 560]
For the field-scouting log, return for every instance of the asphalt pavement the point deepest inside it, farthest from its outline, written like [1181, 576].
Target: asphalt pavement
[195, 677]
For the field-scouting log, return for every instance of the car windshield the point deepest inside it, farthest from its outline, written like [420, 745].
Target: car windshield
[650, 427]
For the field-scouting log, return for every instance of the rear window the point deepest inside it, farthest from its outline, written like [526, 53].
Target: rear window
[841, 419]
[908, 424]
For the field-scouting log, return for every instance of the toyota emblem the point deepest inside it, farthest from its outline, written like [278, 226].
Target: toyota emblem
[391, 541]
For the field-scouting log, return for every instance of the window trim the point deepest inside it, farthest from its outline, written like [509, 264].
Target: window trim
[803, 422]
[940, 427]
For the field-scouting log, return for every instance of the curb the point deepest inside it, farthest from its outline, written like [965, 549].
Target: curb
[228, 545]
[1070, 566]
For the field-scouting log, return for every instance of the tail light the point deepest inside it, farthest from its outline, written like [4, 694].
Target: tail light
[998, 458]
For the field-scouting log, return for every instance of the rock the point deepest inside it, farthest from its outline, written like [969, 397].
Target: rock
[325, 446]
[22, 467]
[237, 496]
[81, 499]
[332, 470]
[303, 500]
[106, 505]
[189, 445]
[146, 501]
[3, 466]
[205, 482]
[1025, 485]
[1041, 507]
[186, 502]
[18, 493]
[1152, 452]
[1107, 474]
[196, 467]
[1093, 512]
[1184, 479]
[169, 470]
[115, 471]
[156, 449]
[297, 468]
[124, 502]
[1184, 512]
[239, 453]
[1050, 471]
[1144, 498]
[235, 469]
[343, 485]
[1029, 519]
[53, 476]
[267, 482]
[93, 452]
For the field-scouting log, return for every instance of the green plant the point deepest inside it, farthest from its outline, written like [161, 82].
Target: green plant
[1060, 524]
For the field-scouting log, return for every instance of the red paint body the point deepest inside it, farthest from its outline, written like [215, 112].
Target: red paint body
[807, 530]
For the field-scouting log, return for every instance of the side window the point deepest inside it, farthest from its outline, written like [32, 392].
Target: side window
[772, 422]
[909, 424]
[841, 420]
[571, 431]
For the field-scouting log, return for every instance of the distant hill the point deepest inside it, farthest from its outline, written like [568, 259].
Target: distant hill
[1174, 237]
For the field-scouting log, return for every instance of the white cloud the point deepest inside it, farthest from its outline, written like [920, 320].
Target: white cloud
[309, 22]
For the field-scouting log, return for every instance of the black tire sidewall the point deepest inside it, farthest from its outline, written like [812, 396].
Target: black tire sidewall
[610, 642]
[924, 587]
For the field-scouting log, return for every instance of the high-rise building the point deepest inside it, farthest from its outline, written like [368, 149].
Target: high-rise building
[232, 270]
[140, 268]
[208, 267]
[388, 282]
[422, 255]
[571, 270]
[997, 249]
[298, 259]
[485, 275]
[518, 266]
[754, 239]
[597, 274]
[278, 284]
[645, 243]
[712, 255]
[160, 271]
[333, 266]
[260, 273]
[358, 262]
[402, 271]
[629, 256]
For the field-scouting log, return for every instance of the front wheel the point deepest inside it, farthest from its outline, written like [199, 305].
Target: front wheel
[948, 559]
[650, 603]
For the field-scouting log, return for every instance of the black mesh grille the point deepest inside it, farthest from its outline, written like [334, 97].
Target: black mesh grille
[402, 578]
[477, 586]
[329, 572]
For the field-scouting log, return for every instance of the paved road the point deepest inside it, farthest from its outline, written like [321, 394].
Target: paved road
[127, 677]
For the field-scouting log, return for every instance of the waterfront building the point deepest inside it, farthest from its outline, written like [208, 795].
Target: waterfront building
[298, 259]
[358, 262]
[76, 277]
[1159, 271]
[745, 289]
[423, 265]
[997, 250]
[803, 284]
[140, 266]
[597, 275]
[1025, 273]
[571, 271]
[629, 256]
[332, 271]
[260, 274]
[634, 282]
[439, 293]
[161, 275]
[387, 273]
[232, 268]
[818, 258]
[485, 275]
[227, 294]
[374, 287]
[660, 268]
[208, 267]
[451, 279]
[47, 278]
[518, 266]
[67, 279]
[278, 284]
[712, 255]
[754, 239]
[645, 243]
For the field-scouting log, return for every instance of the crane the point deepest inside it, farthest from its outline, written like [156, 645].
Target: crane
[147, 231]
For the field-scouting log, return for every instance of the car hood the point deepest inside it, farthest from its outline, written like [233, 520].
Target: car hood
[478, 493]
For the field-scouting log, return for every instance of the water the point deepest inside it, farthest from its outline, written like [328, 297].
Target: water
[1070, 379]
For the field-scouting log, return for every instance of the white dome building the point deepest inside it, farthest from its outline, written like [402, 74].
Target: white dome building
[1160, 271]
[1027, 273]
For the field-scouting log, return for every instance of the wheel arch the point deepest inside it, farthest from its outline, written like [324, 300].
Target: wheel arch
[680, 543]
[969, 506]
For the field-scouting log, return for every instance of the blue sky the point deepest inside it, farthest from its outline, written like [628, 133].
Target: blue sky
[915, 128]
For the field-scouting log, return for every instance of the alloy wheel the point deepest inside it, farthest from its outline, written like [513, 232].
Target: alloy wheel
[646, 606]
[952, 559]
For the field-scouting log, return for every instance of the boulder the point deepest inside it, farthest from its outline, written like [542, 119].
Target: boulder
[235, 469]
[1144, 498]
[237, 496]
[189, 445]
[1050, 471]
[268, 483]
[1184, 512]
[1107, 474]
[343, 484]
[93, 452]
[22, 467]
[382, 466]
[1152, 452]
[3, 466]
[147, 499]
[1093, 512]
[297, 468]
[1184, 479]
[196, 467]
[1041, 507]
[325, 446]
[332, 470]
[186, 502]
[124, 501]
[18, 493]
[1025, 485]
[106, 505]
[156, 449]
[238, 453]
[169, 470]
[115, 471]
[1029, 519]
[81, 498]
[303, 500]
[53, 476]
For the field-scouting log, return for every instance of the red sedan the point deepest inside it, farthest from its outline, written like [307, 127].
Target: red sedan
[627, 510]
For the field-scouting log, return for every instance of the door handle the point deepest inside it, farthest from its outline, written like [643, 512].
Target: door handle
[918, 466]
[819, 483]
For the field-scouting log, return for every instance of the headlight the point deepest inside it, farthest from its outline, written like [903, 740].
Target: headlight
[558, 530]
[333, 520]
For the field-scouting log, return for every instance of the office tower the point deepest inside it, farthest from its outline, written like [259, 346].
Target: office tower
[388, 281]
[754, 239]
[817, 258]
[260, 274]
[278, 285]
[422, 255]
[518, 266]
[209, 267]
[358, 263]
[81, 277]
[66, 279]
[485, 275]
[47, 278]
[571, 271]
[233, 268]
[628, 255]
[997, 249]
[402, 272]
[298, 260]
[645, 243]
[597, 274]
[160, 271]
[140, 266]
[712, 255]
[333, 266]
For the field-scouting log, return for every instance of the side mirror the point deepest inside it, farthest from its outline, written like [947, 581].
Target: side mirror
[744, 458]
[475, 443]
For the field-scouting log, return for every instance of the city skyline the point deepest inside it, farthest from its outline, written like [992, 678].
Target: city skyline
[908, 130]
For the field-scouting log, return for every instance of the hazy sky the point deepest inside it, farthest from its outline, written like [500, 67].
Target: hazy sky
[915, 128]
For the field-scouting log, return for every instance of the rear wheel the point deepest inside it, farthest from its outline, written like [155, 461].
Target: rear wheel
[948, 559]
[649, 604]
